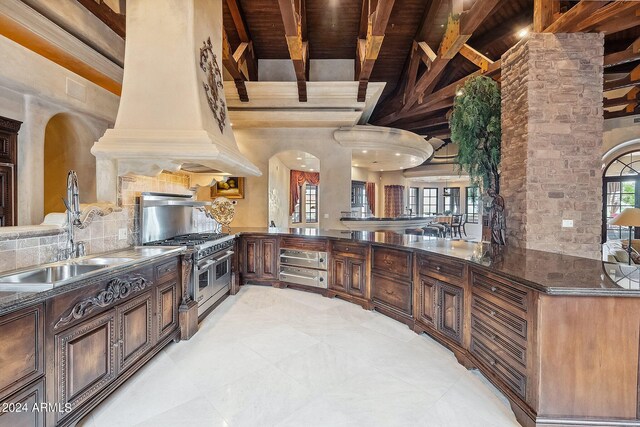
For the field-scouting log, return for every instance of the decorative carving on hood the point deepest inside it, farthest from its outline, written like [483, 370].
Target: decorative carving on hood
[213, 84]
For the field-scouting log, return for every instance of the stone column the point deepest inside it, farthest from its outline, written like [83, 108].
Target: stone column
[552, 127]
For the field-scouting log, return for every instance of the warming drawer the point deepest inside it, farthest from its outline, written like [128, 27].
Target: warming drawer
[308, 259]
[303, 276]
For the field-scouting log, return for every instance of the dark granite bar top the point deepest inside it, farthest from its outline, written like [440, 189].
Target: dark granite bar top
[402, 218]
[547, 272]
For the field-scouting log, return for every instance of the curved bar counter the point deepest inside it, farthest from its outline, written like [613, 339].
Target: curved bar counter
[553, 332]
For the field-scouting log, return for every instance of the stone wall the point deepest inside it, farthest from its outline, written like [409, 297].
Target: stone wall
[552, 127]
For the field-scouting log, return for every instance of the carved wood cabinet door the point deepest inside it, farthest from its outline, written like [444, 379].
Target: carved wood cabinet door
[356, 277]
[427, 304]
[167, 302]
[338, 276]
[269, 253]
[450, 300]
[134, 330]
[86, 358]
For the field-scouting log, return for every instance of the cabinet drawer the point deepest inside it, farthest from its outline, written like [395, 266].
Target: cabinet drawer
[441, 268]
[27, 398]
[21, 352]
[166, 270]
[304, 243]
[349, 249]
[499, 342]
[504, 319]
[503, 292]
[392, 261]
[513, 378]
[392, 293]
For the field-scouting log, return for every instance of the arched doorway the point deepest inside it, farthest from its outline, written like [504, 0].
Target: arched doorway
[67, 145]
[300, 207]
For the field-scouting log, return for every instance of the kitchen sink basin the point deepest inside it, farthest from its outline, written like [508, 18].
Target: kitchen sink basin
[104, 261]
[44, 278]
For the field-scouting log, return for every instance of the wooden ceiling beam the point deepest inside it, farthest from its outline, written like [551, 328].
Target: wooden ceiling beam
[569, 21]
[627, 21]
[461, 30]
[438, 100]
[629, 98]
[630, 54]
[630, 79]
[476, 57]
[298, 46]
[543, 13]
[232, 65]
[368, 47]
[244, 54]
[239, 21]
[612, 15]
[621, 113]
[117, 22]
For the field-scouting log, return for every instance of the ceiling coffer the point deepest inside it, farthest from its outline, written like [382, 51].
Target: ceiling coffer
[172, 110]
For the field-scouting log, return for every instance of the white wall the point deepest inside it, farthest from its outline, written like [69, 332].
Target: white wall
[32, 90]
[278, 192]
[259, 145]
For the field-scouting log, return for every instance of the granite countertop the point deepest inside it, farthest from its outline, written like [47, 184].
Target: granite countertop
[373, 218]
[11, 300]
[547, 272]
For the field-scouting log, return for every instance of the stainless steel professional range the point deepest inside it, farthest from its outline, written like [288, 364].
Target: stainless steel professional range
[168, 220]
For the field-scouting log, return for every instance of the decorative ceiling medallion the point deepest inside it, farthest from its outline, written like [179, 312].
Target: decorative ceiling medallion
[213, 84]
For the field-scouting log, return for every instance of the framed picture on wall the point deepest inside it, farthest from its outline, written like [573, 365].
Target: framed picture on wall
[232, 188]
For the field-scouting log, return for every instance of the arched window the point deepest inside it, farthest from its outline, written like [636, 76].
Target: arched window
[621, 188]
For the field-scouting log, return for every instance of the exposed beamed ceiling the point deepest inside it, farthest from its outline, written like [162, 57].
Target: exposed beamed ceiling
[330, 29]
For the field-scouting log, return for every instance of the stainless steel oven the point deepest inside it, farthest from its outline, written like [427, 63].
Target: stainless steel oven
[213, 279]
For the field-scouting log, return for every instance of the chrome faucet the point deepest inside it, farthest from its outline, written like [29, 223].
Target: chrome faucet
[73, 249]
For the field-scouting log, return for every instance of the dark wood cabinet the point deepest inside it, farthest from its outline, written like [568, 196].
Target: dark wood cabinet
[426, 306]
[450, 314]
[167, 304]
[356, 277]
[8, 171]
[19, 407]
[349, 275]
[440, 298]
[392, 294]
[86, 359]
[21, 349]
[259, 258]
[97, 335]
[338, 280]
[134, 330]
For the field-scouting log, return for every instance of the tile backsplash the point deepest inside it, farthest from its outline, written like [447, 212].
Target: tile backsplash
[102, 234]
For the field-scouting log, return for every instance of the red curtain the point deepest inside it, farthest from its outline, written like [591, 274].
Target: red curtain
[393, 200]
[371, 197]
[297, 178]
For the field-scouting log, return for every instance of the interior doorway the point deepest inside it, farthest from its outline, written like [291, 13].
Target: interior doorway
[294, 190]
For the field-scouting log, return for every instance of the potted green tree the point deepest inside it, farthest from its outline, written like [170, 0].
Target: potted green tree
[475, 128]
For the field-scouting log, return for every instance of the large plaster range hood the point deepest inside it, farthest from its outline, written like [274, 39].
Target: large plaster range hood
[172, 109]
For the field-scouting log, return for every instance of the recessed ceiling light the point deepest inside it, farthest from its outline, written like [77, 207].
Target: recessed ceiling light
[381, 170]
[397, 154]
[311, 170]
[356, 165]
[298, 158]
[303, 166]
[230, 123]
[441, 25]
[523, 33]
[364, 151]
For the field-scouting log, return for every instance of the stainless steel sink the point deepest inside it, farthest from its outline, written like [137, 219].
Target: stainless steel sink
[104, 261]
[44, 278]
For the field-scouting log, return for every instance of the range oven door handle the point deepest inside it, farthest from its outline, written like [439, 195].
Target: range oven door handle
[206, 265]
[225, 256]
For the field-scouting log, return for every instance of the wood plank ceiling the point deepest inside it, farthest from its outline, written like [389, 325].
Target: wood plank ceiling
[451, 40]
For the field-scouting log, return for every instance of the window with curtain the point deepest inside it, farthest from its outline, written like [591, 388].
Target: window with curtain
[311, 203]
[359, 202]
[621, 191]
[413, 200]
[472, 196]
[429, 201]
[393, 200]
[451, 198]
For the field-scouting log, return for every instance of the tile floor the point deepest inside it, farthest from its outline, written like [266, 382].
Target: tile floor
[280, 357]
